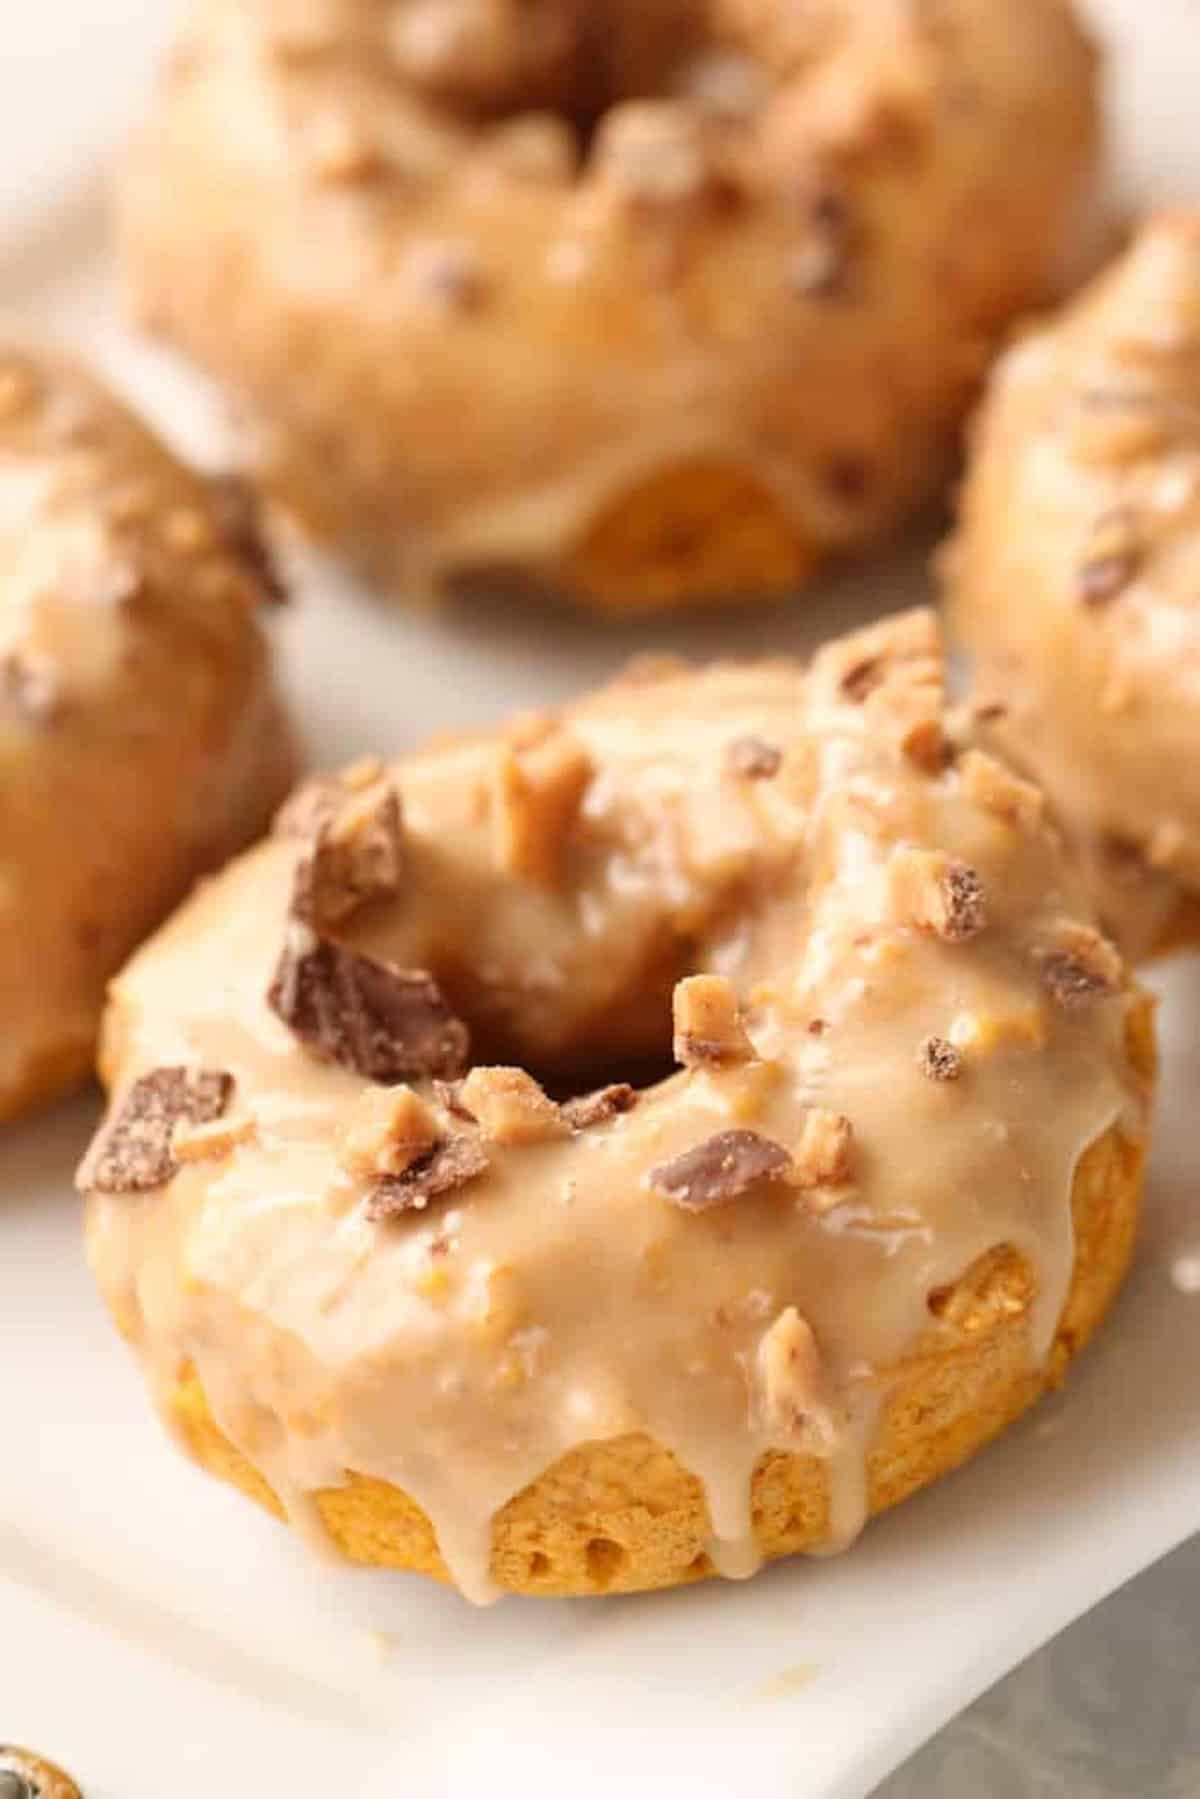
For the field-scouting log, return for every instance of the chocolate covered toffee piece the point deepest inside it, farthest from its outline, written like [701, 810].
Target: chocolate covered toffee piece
[387, 1023]
[452, 1320]
[141, 742]
[136, 1149]
[720, 1169]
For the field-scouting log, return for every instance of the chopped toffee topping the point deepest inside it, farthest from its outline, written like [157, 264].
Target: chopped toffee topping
[356, 857]
[389, 1024]
[997, 790]
[1081, 967]
[938, 1059]
[937, 894]
[134, 1151]
[795, 1389]
[511, 1107]
[210, 1142]
[750, 759]
[923, 741]
[597, 1108]
[720, 1169]
[708, 1027]
[240, 520]
[659, 157]
[441, 1170]
[825, 1153]
[389, 1129]
[535, 795]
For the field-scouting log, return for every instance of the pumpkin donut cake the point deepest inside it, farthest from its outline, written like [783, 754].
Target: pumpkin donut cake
[647, 302]
[1075, 576]
[140, 738]
[393, 1266]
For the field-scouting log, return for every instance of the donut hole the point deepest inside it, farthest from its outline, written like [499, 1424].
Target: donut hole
[705, 527]
[491, 61]
[625, 1037]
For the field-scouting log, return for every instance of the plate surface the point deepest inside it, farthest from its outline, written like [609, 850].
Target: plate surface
[158, 1636]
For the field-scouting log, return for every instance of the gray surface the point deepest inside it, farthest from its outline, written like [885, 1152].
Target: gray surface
[1111, 1707]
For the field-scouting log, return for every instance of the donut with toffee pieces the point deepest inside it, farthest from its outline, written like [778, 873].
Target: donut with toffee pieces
[711, 281]
[141, 742]
[1074, 577]
[398, 1288]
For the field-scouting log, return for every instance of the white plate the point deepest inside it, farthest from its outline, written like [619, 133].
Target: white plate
[160, 1637]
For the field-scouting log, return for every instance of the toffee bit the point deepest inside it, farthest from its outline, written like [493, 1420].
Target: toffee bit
[356, 857]
[965, 914]
[608, 1102]
[536, 793]
[446, 1167]
[938, 895]
[796, 1399]
[658, 155]
[386, 1023]
[719, 1169]
[825, 1150]
[750, 759]
[995, 789]
[134, 1152]
[939, 1060]
[1081, 968]
[240, 522]
[388, 1130]
[708, 1027]
[210, 1142]
[512, 1108]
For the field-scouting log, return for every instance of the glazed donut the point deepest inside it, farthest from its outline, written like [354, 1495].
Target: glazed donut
[391, 1282]
[140, 738]
[1075, 576]
[644, 303]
